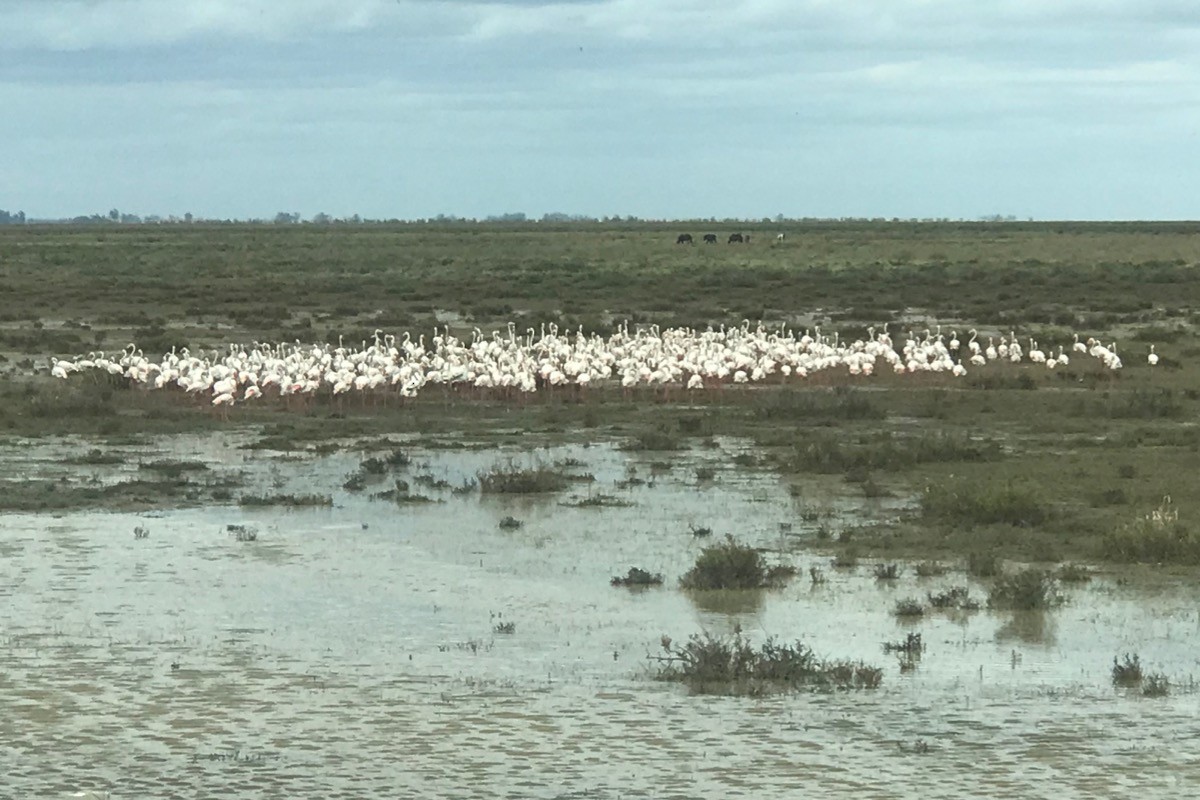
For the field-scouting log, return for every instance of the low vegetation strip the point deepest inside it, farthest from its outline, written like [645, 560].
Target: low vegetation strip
[710, 664]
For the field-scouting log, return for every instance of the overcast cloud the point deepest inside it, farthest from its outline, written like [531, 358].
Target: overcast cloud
[658, 108]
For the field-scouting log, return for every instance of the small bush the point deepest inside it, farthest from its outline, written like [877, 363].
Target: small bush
[1158, 537]
[1156, 685]
[505, 628]
[983, 564]
[930, 569]
[908, 608]
[510, 524]
[733, 666]
[658, 439]
[1028, 590]
[887, 572]
[373, 466]
[956, 597]
[1073, 573]
[987, 504]
[728, 565]
[637, 577]
[911, 644]
[512, 480]
[1127, 673]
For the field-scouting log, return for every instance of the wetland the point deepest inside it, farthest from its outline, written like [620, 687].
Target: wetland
[419, 596]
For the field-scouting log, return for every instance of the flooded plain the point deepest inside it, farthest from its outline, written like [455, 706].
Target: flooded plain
[356, 650]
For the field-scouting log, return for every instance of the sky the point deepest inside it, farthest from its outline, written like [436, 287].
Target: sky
[665, 109]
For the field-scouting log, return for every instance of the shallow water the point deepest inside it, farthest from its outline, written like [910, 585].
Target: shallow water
[351, 652]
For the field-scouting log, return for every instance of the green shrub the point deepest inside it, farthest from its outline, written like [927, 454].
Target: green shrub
[1028, 590]
[729, 565]
[733, 666]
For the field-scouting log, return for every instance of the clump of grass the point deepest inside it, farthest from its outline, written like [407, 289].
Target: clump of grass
[373, 466]
[506, 628]
[857, 457]
[930, 569]
[817, 576]
[729, 565]
[597, 501]
[637, 577]
[171, 468]
[701, 532]
[956, 597]
[510, 524]
[1157, 537]
[96, 457]
[847, 559]
[908, 608]
[983, 564]
[705, 474]
[1115, 496]
[983, 504]
[656, 439]
[431, 481]
[397, 459]
[1073, 573]
[843, 403]
[911, 644]
[141, 532]
[1127, 673]
[514, 480]
[298, 500]
[991, 381]
[242, 533]
[1156, 684]
[355, 483]
[888, 572]
[1027, 590]
[712, 664]
[1150, 403]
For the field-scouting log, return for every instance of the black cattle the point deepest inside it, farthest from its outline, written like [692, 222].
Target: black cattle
[735, 237]
[710, 238]
[684, 238]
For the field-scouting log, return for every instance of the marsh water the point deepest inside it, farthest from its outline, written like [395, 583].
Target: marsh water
[352, 651]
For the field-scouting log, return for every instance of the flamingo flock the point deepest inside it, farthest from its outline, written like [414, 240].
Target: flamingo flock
[525, 363]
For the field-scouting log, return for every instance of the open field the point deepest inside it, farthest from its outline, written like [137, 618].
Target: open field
[282, 595]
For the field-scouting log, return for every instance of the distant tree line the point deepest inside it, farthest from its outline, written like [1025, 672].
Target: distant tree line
[118, 217]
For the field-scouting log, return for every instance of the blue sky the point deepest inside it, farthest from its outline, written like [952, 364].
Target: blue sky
[667, 109]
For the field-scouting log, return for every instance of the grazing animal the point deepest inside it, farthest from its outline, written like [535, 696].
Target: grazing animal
[779, 237]
[710, 238]
[684, 238]
[735, 237]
